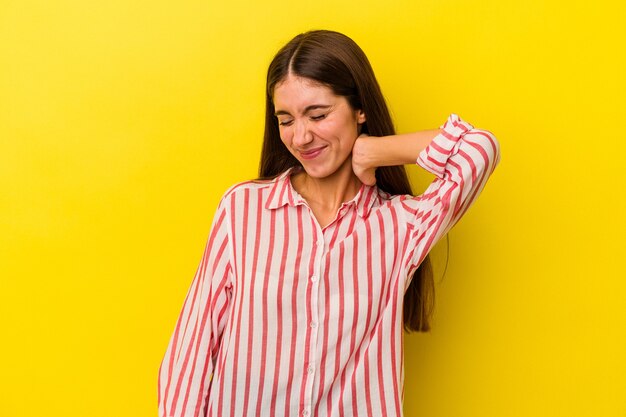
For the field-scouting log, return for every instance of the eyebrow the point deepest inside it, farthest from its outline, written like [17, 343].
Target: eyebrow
[306, 110]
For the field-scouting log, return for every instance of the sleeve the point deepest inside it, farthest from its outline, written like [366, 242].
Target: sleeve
[186, 369]
[462, 158]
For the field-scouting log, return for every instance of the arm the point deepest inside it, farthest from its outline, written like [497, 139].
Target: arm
[370, 152]
[186, 370]
[461, 157]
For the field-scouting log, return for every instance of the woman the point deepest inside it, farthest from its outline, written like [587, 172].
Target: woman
[311, 273]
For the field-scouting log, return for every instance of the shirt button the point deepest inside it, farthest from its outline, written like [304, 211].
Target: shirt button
[305, 412]
[320, 242]
[314, 278]
[310, 369]
[313, 324]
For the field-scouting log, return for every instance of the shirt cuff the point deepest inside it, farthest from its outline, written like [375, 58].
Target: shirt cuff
[435, 156]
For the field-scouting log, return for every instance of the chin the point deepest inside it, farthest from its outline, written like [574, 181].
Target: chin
[318, 172]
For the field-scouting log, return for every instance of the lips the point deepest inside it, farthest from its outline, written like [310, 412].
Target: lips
[312, 153]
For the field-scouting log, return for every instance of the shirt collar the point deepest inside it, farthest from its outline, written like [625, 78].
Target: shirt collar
[282, 193]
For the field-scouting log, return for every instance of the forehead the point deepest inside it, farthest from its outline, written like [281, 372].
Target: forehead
[296, 93]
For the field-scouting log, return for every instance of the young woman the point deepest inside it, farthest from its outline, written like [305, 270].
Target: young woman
[312, 272]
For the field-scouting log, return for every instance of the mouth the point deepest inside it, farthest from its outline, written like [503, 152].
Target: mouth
[311, 153]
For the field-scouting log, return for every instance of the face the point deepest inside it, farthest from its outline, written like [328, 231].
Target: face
[318, 127]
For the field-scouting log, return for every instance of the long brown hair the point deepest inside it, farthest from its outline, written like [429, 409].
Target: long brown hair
[333, 59]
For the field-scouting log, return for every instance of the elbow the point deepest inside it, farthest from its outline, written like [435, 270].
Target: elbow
[496, 149]
[489, 147]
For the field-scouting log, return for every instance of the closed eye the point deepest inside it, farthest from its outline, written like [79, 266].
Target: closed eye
[320, 117]
[285, 122]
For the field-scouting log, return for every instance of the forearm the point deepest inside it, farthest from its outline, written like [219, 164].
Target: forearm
[393, 150]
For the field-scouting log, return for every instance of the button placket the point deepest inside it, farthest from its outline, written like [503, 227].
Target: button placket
[314, 320]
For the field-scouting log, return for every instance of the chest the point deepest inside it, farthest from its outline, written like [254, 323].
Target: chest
[285, 254]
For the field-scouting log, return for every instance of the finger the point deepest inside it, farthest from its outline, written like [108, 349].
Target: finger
[369, 177]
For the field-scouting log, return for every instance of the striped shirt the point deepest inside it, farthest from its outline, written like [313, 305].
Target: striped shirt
[285, 318]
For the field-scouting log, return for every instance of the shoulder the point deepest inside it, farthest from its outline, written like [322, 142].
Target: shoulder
[387, 199]
[398, 202]
[247, 186]
[248, 189]
[383, 195]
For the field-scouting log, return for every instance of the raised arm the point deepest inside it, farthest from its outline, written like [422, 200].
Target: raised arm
[371, 152]
[460, 156]
[187, 367]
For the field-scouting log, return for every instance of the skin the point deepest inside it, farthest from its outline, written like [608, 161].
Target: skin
[322, 131]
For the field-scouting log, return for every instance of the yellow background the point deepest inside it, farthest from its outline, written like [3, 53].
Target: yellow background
[123, 122]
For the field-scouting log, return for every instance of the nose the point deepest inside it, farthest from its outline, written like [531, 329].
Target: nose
[301, 133]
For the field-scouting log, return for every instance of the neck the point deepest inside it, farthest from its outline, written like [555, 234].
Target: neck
[328, 193]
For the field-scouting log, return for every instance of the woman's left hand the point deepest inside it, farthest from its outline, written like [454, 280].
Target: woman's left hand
[360, 161]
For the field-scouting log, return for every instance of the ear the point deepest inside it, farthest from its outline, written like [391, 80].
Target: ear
[360, 117]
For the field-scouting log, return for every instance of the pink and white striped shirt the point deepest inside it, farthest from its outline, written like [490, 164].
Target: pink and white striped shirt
[285, 318]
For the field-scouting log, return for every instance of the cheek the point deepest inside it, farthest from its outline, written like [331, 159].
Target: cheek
[285, 136]
[340, 130]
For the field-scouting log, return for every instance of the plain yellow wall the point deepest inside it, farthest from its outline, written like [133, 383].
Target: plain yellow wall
[123, 122]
